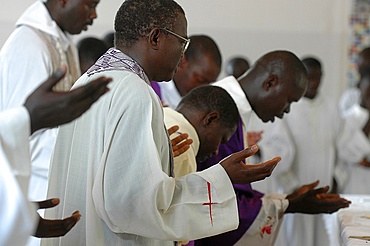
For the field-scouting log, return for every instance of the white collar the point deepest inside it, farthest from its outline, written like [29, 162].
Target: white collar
[38, 16]
[232, 86]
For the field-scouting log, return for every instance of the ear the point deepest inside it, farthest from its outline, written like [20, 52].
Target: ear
[184, 62]
[154, 38]
[271, 82]
[63, 3]
[210, 118]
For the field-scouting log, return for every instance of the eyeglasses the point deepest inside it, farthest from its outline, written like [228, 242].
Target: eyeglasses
[185, 41]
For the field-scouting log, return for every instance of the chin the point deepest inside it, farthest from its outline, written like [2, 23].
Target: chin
[267, 119]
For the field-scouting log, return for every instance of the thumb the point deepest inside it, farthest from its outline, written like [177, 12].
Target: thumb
[48, 203]
[241, 155]
[55, 78]
[306, 188]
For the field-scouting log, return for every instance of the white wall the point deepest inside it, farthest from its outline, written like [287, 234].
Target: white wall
[248, 27]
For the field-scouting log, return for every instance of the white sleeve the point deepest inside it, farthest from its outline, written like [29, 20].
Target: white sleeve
[25, 68]
[18, 217]
[352, 144]
[167, 206]
[280, 143]
[265, 227]
[14, 135]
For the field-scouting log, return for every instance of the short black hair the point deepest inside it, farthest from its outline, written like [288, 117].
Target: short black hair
[109, 39]
[201, 45]
[211, 98]
[90, 48]
[364, 68]
[237, 66]
[135, 19]
[311, 62]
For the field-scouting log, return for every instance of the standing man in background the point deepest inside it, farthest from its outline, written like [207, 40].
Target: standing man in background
[352, 95]
[318, 138]
[200, 65]
[237, 66]
[267, 89]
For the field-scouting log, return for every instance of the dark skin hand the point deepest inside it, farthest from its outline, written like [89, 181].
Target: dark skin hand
[365, 163]
[181, 143]
[240, 173]
[55, 228]
[48, 108]
[309, 200]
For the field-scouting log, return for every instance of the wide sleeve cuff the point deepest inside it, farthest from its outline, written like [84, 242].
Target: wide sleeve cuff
[265, 227]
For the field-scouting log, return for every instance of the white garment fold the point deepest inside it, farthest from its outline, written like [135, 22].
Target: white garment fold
[113, 165]
[17, 216]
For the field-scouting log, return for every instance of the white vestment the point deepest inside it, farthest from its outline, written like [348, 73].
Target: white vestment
[349, 98]
[31, 54]
[319, 137]
[273, 205]
[17, 216]
[170, 95]
[186, 162]
[113, 163]
[358, 176]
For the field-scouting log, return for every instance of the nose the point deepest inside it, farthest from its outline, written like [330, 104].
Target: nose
[93, 14]
[287, 110]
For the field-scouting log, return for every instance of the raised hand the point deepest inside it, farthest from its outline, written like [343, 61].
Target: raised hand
[309, 200]
[48, 108]
[240, 173]
[55, 228]
[181, 143]
[254, 137]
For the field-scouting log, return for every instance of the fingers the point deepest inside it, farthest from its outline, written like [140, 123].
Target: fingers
[91, 91]
[273, 161]
[179, 138]
[241, 155]
[332, 204]
[183, 144]
[48, 203]
[365, 163]
[56, 228]
[83, 97]
[181, 150]
[67, 224]
[322, 190]
[310, 186]
[182, 147]
[54, 79]
[265, 169]
[173, 129]
[328, 196]
[98, 87]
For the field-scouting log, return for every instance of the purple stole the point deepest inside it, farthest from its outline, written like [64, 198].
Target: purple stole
[114, 59]
[156, 89]
[249, 201]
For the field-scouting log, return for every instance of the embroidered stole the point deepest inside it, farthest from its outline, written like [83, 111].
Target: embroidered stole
[114, 59]
[58, 58]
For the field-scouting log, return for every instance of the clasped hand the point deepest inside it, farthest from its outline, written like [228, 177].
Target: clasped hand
[309, 200]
